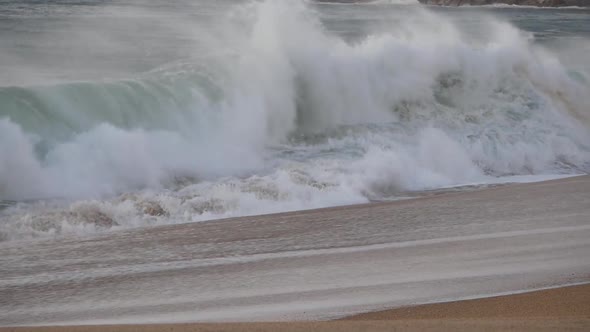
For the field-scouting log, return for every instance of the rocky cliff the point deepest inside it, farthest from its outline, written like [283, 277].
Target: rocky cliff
[538, 3]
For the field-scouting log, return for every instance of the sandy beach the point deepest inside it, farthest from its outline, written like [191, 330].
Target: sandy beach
[565, 308]
[302, 165]
[312, 266]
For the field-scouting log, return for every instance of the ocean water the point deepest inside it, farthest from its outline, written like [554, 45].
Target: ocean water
[121, 114]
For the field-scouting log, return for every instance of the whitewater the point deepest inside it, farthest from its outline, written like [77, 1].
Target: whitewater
[135, 114]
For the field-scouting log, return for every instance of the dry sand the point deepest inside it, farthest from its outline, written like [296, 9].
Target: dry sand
[559, 303]
[322, 264]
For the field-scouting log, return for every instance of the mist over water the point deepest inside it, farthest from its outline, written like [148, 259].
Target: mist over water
[117, 115]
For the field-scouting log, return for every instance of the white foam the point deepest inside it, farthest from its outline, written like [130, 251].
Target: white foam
[299, 118]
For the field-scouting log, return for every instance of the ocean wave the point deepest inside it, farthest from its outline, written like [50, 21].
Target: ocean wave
[289, 117]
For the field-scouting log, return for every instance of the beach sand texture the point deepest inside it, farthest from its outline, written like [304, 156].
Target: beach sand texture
[566, 308]
[322, 264]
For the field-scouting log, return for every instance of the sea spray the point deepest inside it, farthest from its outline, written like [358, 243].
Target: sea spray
[288, 115]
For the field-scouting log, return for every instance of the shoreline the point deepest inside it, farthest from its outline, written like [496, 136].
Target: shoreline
[311, 265]
[458, 189]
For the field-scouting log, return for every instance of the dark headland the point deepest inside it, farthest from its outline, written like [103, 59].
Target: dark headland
[536, 3]
[455, 3]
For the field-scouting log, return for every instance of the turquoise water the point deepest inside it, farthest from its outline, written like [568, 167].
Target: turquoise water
[111, 110]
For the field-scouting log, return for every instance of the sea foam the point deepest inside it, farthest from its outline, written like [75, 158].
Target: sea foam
[288, 115]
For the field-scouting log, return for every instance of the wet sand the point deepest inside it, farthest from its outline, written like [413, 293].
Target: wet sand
[565, 308]
[322, 265]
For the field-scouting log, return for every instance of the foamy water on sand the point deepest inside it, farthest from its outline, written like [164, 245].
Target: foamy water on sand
[124, 115]
[306, 265]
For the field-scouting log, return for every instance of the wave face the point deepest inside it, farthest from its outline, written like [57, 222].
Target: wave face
[291, 106]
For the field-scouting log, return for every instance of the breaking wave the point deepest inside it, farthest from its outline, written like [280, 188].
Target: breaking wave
[288, 116]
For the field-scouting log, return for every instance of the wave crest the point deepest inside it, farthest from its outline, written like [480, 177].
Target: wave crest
[291, 116]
